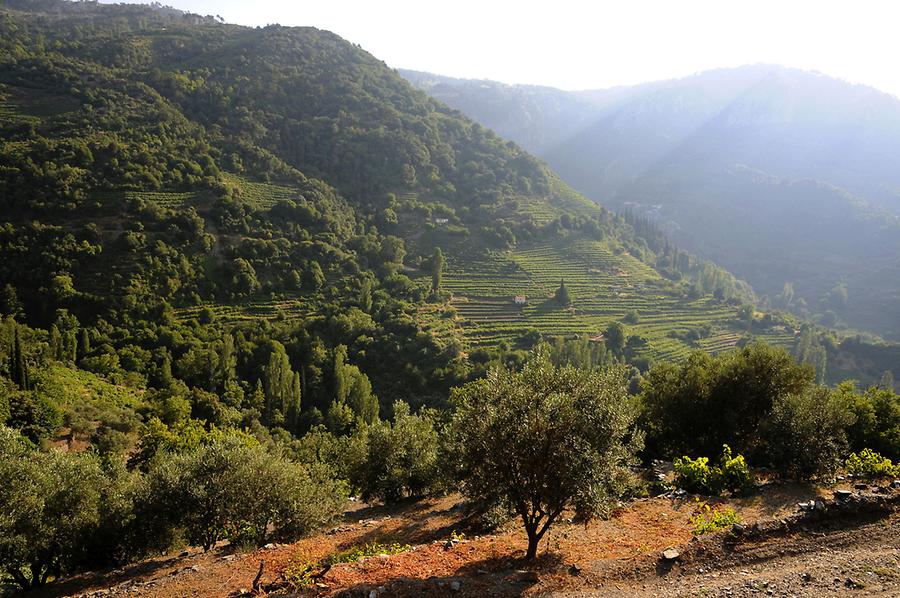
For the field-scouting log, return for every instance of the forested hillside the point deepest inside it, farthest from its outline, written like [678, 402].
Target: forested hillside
[170, 181]
[784, 177]
[247, 273]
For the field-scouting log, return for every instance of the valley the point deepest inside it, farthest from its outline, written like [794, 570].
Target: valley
[279, 319]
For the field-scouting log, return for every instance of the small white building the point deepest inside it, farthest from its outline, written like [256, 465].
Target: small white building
[520, 300]
[441, 221]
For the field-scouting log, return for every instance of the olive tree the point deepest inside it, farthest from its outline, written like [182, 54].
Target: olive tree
[49, 502]
[228, 489]
[544, 439]
[402, 459]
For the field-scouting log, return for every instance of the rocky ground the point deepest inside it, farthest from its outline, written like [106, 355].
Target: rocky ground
[859, 556]
[833, 547]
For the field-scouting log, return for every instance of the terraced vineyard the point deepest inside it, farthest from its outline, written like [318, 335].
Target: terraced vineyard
[261, 195]
[605, 286]
[296, 307]
[9, 114]
[20, 105]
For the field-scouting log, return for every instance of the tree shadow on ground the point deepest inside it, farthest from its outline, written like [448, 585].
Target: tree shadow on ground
[406, 507]
[103, 579]
[421, 530]
[495, 576]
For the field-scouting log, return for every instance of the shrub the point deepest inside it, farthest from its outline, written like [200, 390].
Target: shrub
[697, 475]
[402, 459]
[343, 456]
[50, 503]
[877, 424]
[710, 520]
[806, 433]
[868, 463]
[228, 489]
[709, 401]
[34, 414]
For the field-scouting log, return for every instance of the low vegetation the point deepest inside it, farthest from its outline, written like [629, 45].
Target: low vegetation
[696, 475]
[710, 519]
[869, 464]
[301, 575]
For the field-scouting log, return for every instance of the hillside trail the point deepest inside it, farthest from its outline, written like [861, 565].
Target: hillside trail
[620, 556]
[856, 558]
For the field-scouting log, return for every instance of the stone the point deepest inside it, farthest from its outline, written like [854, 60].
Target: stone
[860, 486]
[842, 494]
[852, 583]
[574, 569]
[805, 577]
[455, 586]
[895, 484]
[670, 554]
[269, 546]
[373, 594]
[738, 529]
[819, 505]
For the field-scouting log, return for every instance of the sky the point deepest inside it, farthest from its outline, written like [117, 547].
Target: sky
[592, 44]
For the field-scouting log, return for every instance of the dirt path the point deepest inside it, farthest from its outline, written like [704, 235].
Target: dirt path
[853, 558]
[787, 554]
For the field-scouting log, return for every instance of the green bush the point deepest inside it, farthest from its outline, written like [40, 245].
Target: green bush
[230, 490]
[868, 463]
[877, 424]
[51, 503]
[710, 520]
[402, 459]
[806, 433]
[697, 475]
[705, 402]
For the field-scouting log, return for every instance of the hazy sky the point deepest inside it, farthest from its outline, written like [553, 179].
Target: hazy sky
[594, 44]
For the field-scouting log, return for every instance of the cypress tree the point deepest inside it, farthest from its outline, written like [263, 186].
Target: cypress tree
[56, 343]
[437, 269]
[85, 344]
[562, 294]
[19, 368]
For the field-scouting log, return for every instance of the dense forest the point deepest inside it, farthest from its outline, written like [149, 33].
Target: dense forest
[246, 273]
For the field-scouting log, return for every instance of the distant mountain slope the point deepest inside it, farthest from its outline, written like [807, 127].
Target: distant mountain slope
[783, 176]
[537, 118]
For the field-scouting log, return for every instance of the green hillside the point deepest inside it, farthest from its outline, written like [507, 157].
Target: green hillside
[247, 273]
[173, 162]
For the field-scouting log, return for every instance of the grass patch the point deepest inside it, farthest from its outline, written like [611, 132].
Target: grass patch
[304, 575]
